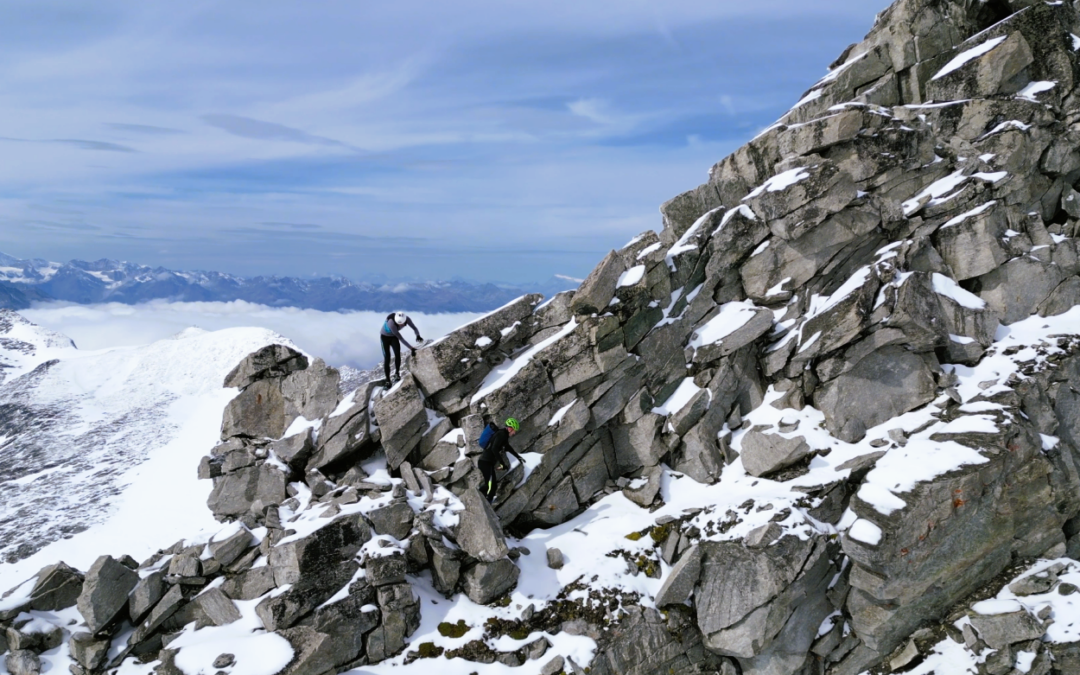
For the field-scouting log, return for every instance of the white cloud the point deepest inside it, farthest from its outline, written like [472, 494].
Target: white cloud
[340, 338]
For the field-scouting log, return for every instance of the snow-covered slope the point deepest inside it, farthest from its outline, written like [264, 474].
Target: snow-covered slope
[105, 443]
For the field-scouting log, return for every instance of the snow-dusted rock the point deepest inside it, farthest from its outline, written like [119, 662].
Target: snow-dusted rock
[271, 361]
[479, 533]
[763, 453]
[486, 581]
[104, 595]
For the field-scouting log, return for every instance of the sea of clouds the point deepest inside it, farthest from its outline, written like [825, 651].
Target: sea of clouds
[340, 338]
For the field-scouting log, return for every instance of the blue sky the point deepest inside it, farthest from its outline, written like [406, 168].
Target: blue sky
[484, 139]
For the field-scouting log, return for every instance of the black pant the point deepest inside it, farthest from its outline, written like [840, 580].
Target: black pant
[489, 482]
[391, 342]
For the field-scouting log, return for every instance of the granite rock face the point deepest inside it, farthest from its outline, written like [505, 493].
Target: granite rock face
[845, 333]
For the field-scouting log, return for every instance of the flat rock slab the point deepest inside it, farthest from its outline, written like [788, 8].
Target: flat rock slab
[1001, 630]
[763, 454]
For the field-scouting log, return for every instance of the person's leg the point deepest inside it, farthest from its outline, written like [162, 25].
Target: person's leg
[487, 484]
[396, 346]
[386, 356]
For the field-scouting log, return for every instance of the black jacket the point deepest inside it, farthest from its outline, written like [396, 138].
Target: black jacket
[500, 443]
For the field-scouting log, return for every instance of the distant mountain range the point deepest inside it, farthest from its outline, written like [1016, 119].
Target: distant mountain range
[23, 282]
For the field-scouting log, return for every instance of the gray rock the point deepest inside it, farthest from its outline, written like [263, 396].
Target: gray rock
[295, 450]
[395, 520]
[185, 565]
[348, 620]
[762, 536]
[57, 587]
[884, 384]
[457, 357]
[269, 362]
[445, 567]
[88, 651]
[22, 662]
[313, 589]
[972, 246]
[224, 660]
[1001, 630]
[235, 493]
[345, 434]
[644, 642]
[250, 584]
[145, 595]
[104, 595]
[217, 607]
[999, 71]
[26, 633]
[164, 609]
[758, 325]
[680, 581]
[337, 541]
[386, 570]
[315, 653]
[1016, 289]
[478, 531]
[559, 505]
[226, 549]
[402, 420]
[763, 454]
[644, 494]
[553, 666]
[257, 412]
[554, 558]
[594, 294]
[311, 393]
[1061, 299]
[1032, 585]
[486, 581]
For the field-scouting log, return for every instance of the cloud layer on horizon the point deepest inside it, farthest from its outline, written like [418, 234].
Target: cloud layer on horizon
[339, 338]
[545, 133]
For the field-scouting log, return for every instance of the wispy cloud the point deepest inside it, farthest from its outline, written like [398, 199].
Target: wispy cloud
[246, 127]
[463, 122]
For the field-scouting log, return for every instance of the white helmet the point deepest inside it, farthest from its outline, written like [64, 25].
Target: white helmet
[400, 318]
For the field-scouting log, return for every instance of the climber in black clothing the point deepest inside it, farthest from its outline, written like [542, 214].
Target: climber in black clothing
[495, 445]
[392, 338]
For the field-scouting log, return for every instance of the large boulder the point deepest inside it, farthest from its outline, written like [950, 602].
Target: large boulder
[335, 542]
[1016, 289]
[594, 294]
[257, 412]
[311, 393]
[478, 532]
[884, 384]
[234, 493]
[104, 595]
[461, 353]
[763, 453]
[272, 361]
[345, 431]
[402, 419]
[486, 581]
[57, 587]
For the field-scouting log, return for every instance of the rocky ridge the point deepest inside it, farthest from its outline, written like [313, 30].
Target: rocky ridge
[838, 390]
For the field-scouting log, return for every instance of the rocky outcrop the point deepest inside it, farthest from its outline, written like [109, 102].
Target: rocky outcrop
[858, 279]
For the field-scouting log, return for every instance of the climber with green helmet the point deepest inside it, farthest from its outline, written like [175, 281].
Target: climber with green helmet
[495, 442]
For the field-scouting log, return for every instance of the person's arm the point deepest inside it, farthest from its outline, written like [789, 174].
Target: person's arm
[408, 322]
[398, 335]
[507, 447]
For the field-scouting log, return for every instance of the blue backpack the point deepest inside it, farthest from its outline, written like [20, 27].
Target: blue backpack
[487, 435]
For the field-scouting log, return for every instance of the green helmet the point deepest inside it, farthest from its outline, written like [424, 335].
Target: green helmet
[513, 424]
